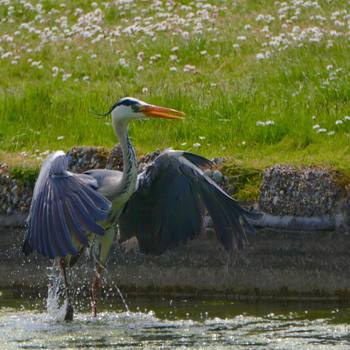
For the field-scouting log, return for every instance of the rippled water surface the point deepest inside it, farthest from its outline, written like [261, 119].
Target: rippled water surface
[177, 324]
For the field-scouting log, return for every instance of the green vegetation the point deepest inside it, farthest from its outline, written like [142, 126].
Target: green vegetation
[250, 76]
[243, 182]
[24, 174]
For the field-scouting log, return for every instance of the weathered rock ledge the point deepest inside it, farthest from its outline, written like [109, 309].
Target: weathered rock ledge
[302, 247]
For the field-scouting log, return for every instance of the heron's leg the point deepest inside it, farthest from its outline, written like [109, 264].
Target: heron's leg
[69, 310]
[104, 247]
[95, 288]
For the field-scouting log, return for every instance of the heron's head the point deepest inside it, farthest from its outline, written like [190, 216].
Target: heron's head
[129, 108]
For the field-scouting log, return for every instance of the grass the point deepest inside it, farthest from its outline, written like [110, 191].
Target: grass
[224, 97]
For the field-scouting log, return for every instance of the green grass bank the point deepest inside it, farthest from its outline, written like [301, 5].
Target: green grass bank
[260, 81]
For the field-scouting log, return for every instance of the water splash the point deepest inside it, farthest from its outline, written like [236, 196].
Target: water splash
[104, 269]
[122, 298]
[56, 303]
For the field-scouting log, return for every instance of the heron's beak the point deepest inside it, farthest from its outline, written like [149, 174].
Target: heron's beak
[153, 111]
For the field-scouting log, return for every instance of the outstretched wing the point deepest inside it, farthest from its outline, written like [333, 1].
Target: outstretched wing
[64, 205]
[168, 205]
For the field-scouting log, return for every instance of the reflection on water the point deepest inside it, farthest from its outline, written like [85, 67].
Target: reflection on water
[177, 324]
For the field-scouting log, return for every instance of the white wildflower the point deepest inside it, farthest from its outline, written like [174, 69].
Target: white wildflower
[60, 138]
[155, 57]
[330, 43]
[140, 56]
[189, 68]
[123, 62]
[36, 64]
[338, 122]
[66, 76]
[196, 145]
[6, 54]
[316, 126]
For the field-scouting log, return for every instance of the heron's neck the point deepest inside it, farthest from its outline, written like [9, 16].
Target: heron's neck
[127, 185]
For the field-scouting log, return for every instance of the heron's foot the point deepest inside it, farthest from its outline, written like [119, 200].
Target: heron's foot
[69, 312]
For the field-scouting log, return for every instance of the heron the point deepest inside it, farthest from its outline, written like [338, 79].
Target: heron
[162, 207]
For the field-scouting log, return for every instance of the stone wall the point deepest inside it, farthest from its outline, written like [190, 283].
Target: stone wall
[306, 198]
[15, 194]
[305, 191]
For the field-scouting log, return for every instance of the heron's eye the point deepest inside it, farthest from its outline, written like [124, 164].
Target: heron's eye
[135, 108]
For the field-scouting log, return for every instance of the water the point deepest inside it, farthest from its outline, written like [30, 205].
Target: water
[166, 323]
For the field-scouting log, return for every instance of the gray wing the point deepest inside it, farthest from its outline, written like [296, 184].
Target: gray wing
[167, 207]
[63, 205]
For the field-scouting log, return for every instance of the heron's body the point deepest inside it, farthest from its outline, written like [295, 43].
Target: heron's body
[161, 207]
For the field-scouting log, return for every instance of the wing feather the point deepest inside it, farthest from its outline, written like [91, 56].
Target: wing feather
[63, 205]
[168, 206]
[85, 217]
[75, 226]
[52, 245]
